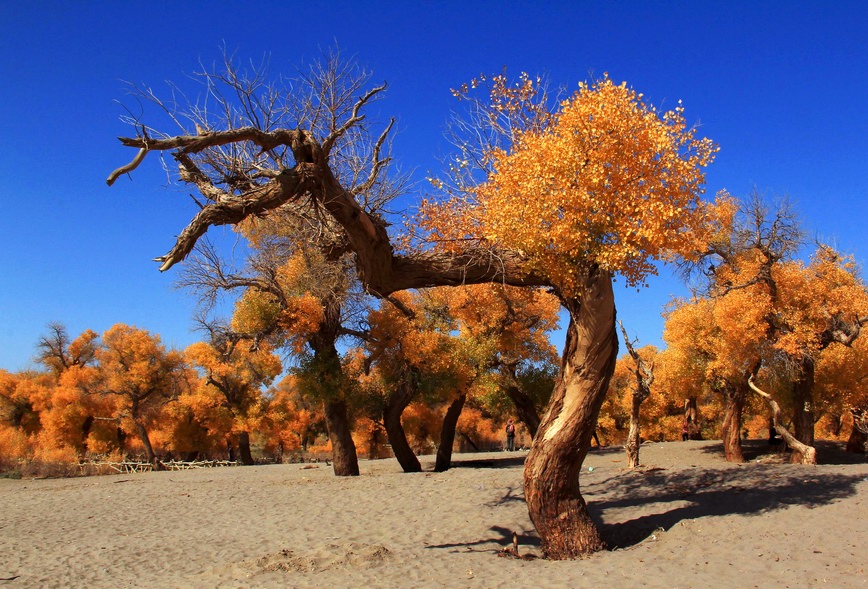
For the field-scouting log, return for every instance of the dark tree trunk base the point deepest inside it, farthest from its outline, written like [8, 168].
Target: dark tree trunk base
[345, 461]
[447, 434]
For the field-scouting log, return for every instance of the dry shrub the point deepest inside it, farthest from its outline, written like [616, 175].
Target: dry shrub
[52, 463]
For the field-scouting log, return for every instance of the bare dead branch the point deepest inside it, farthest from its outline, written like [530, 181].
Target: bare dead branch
[140, 156]
[377, 164]
[354, 119]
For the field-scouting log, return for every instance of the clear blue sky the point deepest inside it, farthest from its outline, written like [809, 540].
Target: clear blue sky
[781, 86]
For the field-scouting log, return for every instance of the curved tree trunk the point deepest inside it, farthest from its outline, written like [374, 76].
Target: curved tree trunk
[447, 434]
[731, 430]
[244, 448]
[807, 453]
[524, 408]
[394, 407]
[551, 474]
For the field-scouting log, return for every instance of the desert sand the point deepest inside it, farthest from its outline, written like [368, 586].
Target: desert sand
[684, 519]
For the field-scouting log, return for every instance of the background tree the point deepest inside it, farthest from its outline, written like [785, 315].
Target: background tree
[141, 376]
[235, 373]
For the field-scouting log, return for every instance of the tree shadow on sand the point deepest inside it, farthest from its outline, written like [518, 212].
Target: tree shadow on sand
[502, 537]
[828, 452]
[506, 461]
[699, 493]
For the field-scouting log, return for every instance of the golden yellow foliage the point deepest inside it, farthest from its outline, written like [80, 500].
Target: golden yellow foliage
[609, 182]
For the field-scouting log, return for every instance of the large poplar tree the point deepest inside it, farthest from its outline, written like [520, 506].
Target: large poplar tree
[602, 187]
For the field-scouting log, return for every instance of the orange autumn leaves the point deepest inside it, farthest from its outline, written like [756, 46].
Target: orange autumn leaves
[610, 182]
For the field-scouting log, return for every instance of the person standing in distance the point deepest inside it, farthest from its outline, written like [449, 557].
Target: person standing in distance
[510, 436]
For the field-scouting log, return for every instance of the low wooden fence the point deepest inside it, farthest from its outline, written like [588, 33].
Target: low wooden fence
[128, 466]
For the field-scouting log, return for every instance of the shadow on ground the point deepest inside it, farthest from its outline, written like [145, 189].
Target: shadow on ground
[711, 492]
[502, 537]
[828, 452]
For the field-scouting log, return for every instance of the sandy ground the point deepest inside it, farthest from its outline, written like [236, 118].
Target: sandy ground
[685, 519]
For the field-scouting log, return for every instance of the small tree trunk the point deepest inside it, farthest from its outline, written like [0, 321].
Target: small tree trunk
[644, 379]
[634, 440]
[244, 448]
[858, 441]
[85, 432]
[524, 408]
[447, 434]
[803, 403]
[691, 418]
[551, 474]
[230, 450]
[122, 441]
[731, 430]
[344, 459]
[395, 405]
[146, 442]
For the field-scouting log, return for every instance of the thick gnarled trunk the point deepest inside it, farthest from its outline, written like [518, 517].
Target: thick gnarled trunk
[447, 434]
[344, 458]
[244, 448]
[331, 377]
[731, 430]
[392, 411]
[551, 474]
[803, 404]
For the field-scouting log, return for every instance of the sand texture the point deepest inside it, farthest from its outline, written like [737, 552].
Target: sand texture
[685, 519]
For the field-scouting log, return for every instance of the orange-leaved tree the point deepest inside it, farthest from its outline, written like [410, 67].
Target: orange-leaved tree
[233, 373]
[141, 377]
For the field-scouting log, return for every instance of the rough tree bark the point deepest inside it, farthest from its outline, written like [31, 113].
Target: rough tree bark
[732, 419]
[447, 434]
[551, 474]
[398, 399]
[807, 454]
[634, 438]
